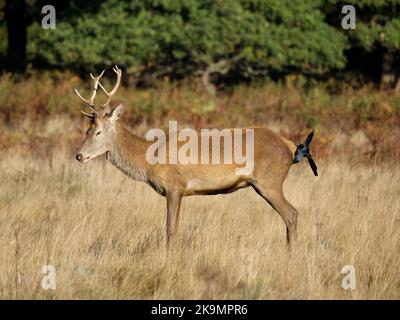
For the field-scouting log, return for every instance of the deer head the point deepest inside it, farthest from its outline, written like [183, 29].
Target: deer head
[101, 134]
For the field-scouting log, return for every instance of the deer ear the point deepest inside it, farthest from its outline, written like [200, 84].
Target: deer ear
[115, 114]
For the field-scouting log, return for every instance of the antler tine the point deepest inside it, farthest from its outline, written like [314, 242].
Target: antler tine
[82, 98]
[96, 81]
[109, 95]
[90, 101]
[87, 114]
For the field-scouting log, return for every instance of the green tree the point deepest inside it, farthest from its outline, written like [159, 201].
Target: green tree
[245, 38]
[377, 31]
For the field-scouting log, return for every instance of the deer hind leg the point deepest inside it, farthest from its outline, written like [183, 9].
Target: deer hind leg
[173, 206]
[275, 197]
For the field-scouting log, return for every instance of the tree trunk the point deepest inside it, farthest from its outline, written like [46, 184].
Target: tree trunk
[17, 35]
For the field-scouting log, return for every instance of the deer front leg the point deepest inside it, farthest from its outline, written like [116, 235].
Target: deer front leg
[173, 206]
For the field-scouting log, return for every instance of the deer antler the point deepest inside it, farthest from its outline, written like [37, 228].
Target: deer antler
[89, 102]
[106, 105]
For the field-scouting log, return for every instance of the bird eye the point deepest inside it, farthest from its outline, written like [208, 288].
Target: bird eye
[97, 133]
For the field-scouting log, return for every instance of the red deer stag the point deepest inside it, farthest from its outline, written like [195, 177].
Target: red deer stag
[273, 156]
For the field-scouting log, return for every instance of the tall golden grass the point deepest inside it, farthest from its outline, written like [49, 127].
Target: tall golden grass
[104, 234]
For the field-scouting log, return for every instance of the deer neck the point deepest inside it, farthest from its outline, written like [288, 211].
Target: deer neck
[129, 154]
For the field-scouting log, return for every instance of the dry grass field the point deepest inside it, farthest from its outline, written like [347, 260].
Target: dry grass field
[104, 234]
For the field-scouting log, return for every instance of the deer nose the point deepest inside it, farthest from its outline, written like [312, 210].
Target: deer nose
[79, 157]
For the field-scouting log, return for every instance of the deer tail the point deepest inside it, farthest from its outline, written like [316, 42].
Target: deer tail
[303, 151]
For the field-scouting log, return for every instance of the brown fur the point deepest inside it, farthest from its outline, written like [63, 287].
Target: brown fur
[272, 159]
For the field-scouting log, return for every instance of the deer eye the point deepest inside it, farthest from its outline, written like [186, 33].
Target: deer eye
[98, 132]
